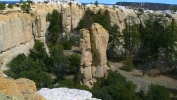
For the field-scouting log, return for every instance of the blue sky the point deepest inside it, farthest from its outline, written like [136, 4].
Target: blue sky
[114, 1]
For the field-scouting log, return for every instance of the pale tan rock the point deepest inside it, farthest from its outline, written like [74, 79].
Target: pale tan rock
[71, 17]
[15, 30]
[39, 13]
[99, 41]
[86, 57]
[1, 61]
[22, 89]
[93, 46]
[116, 17]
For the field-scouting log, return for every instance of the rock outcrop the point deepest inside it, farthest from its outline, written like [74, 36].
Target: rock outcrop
[15, 36]
[71, 17]
[93, 46]
[160, 19]
[114, 15]
[65, 94]
[38, 14]
[18, 30]
[15, 29]
[20, 89]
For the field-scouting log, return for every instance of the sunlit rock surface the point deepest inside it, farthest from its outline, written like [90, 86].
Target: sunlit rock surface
[65, 94]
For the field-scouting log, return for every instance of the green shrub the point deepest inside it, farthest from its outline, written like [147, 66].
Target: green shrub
[2, 5]
[34, 67]
[17, 5]
[59, 61]
[74, 40]
[66, 83]
[102, 20]
[10, 6]
[80, 25]
[115, 87]
[25, 7]
[46, 2]
[66, 45]
[157, 92]
[96, 3]
[70, 84]
[24, 67]
[74, 63]
[128, 64]
[108, 64]
[30, 2]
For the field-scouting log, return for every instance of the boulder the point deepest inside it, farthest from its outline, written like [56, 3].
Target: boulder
[20, 89]
[65, 94]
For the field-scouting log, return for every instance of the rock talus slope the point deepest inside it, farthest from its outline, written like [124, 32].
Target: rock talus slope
[93, 46]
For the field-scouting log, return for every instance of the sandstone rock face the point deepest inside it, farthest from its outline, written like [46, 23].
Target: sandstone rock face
[1, 62]
[15, 36]
[20, 89]
[115, 16]
[161, 19]
[71, 17]
[15, 29]
[39, 13]
[99, 41]
[86, 58]
[93, 46]
[13, 52]
[66, 94]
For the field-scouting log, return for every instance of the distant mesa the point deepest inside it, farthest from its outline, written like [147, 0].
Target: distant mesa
[147, 5]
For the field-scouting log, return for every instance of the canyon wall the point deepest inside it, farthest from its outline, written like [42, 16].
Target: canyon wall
[18, 30]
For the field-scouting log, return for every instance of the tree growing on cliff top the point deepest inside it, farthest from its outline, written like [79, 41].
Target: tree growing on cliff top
[10, 6]
[25, 7]
[96, 3]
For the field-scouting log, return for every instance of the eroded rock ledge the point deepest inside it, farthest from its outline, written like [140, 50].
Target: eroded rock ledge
[20, 89]
[93, 46]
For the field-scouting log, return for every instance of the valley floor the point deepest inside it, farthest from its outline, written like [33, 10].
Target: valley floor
[142, 82]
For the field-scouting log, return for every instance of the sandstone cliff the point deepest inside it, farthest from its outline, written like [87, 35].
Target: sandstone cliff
[93, 46]
[71, 17]
[15, 35]
[18, 30]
